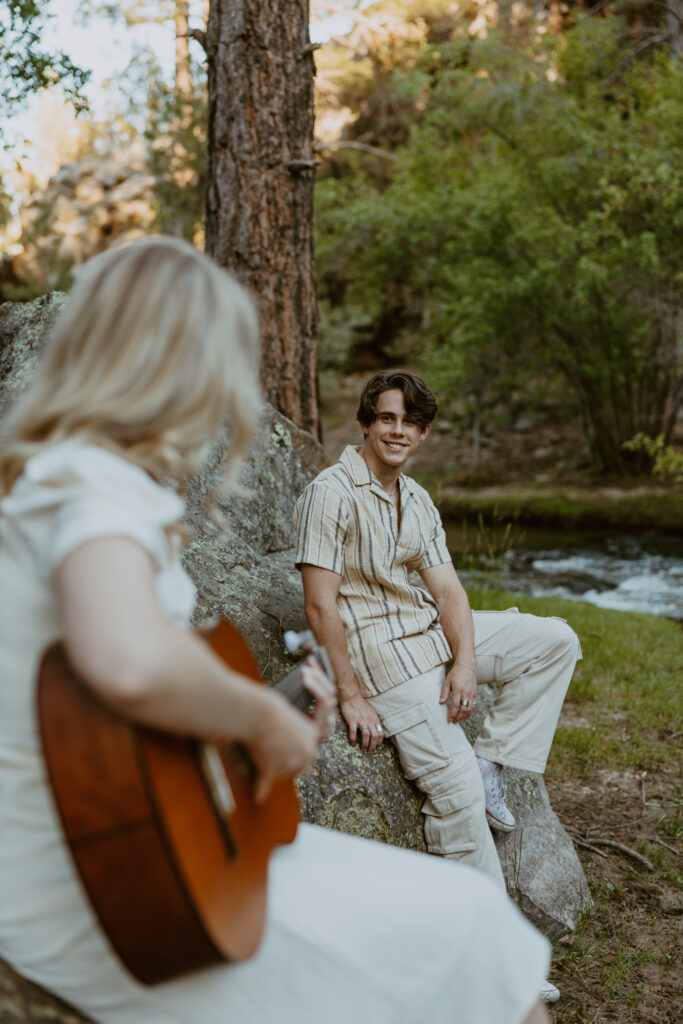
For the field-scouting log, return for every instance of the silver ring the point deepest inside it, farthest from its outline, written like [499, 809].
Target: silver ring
[380, 730]
[363, 726]
[465, 703]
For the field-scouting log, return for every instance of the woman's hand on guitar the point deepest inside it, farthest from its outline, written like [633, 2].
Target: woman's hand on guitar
[285, 741]
[320, 687]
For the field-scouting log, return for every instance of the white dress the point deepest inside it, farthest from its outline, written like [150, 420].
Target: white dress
[355, 929]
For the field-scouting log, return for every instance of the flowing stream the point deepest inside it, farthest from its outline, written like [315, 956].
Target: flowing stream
[629, 573]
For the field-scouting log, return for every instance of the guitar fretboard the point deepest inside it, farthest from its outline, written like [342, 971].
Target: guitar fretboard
[293, 688]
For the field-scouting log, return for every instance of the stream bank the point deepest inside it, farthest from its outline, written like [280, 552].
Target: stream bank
[643, 508]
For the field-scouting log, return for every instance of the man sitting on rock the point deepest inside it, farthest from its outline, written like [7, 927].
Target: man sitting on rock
[407, 659]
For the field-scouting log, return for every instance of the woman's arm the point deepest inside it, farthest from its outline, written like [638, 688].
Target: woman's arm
[149, 669]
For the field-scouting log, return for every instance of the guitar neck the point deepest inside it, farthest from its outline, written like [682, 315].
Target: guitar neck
[292, 687]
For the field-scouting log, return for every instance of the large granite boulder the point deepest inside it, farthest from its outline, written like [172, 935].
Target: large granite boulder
[23, 326]
[241, 559]
[22, 1002]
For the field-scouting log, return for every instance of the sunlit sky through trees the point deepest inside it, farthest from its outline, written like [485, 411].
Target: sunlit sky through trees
[106, 48]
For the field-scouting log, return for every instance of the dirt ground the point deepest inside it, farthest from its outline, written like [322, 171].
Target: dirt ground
[622, 966]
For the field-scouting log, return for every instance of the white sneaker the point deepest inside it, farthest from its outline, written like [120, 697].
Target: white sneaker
[498, 814]
[549, 992]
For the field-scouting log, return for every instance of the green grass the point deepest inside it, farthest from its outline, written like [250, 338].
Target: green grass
[625, 694]
[603, 964]
[623, 714]
[645, 507]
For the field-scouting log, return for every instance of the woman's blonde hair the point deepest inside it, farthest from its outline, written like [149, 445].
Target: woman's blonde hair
[155, 347]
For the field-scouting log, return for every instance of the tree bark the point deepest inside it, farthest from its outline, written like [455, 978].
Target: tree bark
[259, 213]
[674, 25]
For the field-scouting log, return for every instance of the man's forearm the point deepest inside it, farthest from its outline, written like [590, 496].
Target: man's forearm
[328, 629]
[361, 718]
[456, 620]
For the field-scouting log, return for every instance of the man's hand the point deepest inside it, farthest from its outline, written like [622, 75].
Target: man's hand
[461, 685]
[363, 722]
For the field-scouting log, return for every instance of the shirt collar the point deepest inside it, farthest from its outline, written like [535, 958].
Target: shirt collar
[362, 476]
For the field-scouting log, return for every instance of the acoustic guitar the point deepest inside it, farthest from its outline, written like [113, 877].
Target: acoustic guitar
[169, 844]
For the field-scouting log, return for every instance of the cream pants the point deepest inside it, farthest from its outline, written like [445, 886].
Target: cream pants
[531, 659]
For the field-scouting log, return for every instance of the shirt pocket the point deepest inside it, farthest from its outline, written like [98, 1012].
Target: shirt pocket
[413, 538]
[419, 746]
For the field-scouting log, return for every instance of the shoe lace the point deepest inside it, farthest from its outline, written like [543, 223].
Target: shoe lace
[497, 787]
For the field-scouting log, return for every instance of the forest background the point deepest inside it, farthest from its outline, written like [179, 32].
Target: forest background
[497, 206]
[498, 202]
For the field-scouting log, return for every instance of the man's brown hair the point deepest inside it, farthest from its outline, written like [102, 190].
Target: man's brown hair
[419, 401]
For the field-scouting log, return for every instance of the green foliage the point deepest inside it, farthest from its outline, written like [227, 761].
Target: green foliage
[172, 117]
[532, 224]
[178, 158]
[344, 328]
[667, 463]
[24, 66]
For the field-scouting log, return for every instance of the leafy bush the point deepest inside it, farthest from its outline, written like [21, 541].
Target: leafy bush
[532, 223]
[667, 463]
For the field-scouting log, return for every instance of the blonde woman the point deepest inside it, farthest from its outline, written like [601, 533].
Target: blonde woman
[154, 349]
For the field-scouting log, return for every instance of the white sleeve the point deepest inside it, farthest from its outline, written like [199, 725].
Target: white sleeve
[92, 516]
[73, 493]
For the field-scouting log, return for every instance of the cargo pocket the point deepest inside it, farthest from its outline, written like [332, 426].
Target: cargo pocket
[420, 749]
[449, 814]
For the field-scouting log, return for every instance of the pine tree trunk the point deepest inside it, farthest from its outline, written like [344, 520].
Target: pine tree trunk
[259, 216]
[674, 25]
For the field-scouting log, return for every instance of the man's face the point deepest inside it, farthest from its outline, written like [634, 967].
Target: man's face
[393, 437]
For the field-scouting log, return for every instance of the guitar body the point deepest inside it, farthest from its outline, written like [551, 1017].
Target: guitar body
[175, 884]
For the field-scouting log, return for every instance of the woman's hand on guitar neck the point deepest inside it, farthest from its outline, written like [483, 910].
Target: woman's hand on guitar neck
[322, 689]
[285, 741]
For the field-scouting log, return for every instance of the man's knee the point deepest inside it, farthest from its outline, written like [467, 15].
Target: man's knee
[551, 636]
[564, 637]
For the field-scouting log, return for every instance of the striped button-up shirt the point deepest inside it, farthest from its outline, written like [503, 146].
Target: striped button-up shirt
[346, 522]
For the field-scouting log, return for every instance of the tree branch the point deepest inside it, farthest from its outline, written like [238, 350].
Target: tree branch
[587, 846]
[297, 166]
[626, 850]
[671, 849]
[197, 34]
[362, 146]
